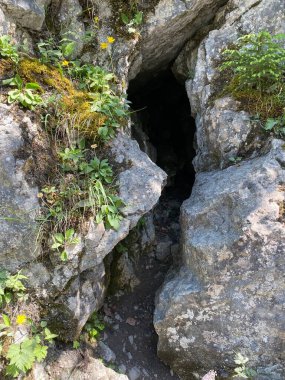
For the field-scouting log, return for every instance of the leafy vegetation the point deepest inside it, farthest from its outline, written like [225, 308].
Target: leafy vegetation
[93, 327]
[24, 93]
[257, 62]
[256, 66]
[81, 110]
[20, 352]
[242, 371]
[8, 49]
[132, 22]
[61, 242]
[86, 104]
[52, 52]
[277, 126]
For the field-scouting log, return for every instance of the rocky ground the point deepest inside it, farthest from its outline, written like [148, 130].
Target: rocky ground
[129, 341]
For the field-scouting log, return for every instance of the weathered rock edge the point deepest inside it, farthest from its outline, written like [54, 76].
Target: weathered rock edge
[229, 294]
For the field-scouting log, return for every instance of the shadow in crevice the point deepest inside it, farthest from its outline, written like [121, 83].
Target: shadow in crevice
[165, 130]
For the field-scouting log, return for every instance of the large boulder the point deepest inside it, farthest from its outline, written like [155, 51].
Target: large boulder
[72, 365]
[26, 13]
[167, 29]
[76, 288]
[228, 296]
[18, 199]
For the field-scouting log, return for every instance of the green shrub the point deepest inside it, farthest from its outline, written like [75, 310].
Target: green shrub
[257, 62]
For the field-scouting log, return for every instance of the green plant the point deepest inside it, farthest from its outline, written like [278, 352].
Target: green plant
[22, 355]
[61, 242]
[97, 169]
[235, 160]
[132, 22]
[51, 51]
[94, 327]
[11, 286]
[257, 61]
[8, 49]
[24, 94]
[20, 352]
[242, 370]
[276, 125]
[114, 107]
[71, 158]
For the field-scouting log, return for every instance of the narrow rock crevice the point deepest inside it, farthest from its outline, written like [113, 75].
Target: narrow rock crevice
[164, 129]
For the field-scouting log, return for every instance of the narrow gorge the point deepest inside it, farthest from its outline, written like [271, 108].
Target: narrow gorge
[142, 171]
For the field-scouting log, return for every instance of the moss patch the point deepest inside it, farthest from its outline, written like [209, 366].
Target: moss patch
[73, 103]
[6, 68]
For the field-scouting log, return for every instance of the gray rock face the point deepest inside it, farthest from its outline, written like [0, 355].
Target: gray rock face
[70, 365]
[76, 288]
[166, 30]
[229, 293]
[26, 13]
[70, 25]
[222, 131]
[18, 200]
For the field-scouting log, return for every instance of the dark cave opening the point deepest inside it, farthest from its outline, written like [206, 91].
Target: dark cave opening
[163, 126]
[165, 130]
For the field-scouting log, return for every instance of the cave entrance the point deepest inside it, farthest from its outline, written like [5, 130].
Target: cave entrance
[165, 130]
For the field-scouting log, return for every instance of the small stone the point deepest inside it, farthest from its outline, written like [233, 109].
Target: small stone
[131, 339]
[129, 355]
[134, 373]
[163, 250]
[131, 321]
[122, 368]
[107, 354]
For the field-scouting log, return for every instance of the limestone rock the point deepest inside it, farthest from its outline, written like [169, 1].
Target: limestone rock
[143, 172]
[18, 200]
[70, 25]
[229, 293]
[78, 286]
[221, 130]
[170, 21]
[70, 365]
[27, 13]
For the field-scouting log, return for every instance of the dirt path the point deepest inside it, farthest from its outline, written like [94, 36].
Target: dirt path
[130, 333]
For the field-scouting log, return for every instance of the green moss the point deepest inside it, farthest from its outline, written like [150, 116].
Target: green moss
[32, 70]
[6, 67]
[74, 104]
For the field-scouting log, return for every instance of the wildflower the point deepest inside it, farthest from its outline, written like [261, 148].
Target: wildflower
[40, 195]
[94, 146]
[111, 40]
[21, 319]
[64, 63]
[104, 45]
[96, 20]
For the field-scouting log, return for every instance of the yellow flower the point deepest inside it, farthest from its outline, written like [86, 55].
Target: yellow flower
[64, 63]
[104, 45]
[96, 20]
[111, 40]
[21, 319]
